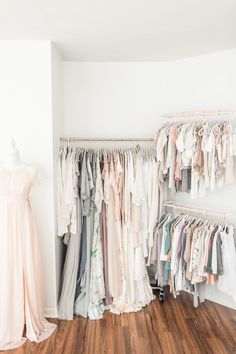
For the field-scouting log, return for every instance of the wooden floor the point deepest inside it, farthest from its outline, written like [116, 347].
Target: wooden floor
[173, 327]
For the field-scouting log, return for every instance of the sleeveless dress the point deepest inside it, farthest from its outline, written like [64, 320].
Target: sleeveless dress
[21, 291]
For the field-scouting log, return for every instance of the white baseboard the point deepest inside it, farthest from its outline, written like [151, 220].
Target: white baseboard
[219, 298]
[221, 302]
[50, 312]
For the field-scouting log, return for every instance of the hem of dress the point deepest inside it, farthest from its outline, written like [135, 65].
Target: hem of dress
[44, 334]
[13, 346]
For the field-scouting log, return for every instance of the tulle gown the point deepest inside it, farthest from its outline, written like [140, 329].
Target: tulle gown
[21, 292]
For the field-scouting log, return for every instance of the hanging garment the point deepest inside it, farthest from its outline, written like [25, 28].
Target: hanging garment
[97, 286]
[227, 282]
[69, 274]
[82, 295]
[70, 228]
[103, 226]
[114, 236]
[21, 294]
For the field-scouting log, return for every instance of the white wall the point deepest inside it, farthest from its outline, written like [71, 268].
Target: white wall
[113, 99]
[118, 99]
[125, 100]
[26, 114]
[57, 126]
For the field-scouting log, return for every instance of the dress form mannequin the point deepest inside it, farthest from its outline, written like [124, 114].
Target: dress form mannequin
[21, 275]
[13, 160]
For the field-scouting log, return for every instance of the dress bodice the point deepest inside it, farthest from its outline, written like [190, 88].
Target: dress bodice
[17, 183]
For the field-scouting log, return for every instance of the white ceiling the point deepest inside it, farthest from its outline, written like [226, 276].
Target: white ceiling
[123, 30]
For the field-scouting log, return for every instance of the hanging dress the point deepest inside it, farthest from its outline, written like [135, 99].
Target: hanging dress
[83, 289]
[97, 286]
[21, 291]
[72, 237]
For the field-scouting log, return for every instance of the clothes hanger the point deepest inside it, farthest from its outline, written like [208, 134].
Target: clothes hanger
[160, 221]
[192, 220]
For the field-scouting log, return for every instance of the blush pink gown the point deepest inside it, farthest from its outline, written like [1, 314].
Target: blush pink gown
[21, 291]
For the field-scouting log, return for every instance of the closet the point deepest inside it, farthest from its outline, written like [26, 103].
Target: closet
[118, 232]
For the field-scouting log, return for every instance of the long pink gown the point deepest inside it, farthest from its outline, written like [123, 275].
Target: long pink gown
[21, 291]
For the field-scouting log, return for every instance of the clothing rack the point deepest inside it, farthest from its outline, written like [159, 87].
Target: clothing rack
[222, 113]
[196, 211]
[204, 212]
[77, 140]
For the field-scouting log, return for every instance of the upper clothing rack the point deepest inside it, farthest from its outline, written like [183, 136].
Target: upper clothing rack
[75, 140]
[201, 114]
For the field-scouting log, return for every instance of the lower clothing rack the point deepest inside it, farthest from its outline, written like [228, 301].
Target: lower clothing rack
[205, 213]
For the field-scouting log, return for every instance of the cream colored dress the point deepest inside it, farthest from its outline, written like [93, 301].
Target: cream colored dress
[21, 293]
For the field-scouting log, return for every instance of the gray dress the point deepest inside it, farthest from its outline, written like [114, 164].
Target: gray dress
[69, 275]
[70, 268]
[87, 190]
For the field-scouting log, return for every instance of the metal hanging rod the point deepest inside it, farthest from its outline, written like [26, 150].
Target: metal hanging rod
[77, 140]
[199, 114]
[205, 212]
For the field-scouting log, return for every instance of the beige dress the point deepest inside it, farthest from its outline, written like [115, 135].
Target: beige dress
[21, 293]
